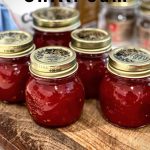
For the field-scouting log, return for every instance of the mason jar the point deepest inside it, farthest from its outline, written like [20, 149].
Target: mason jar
[125, 89]
[16, 47]
[53, 26]
[54, 92]
[92, 47]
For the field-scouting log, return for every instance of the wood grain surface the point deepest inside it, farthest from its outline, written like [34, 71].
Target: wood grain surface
[91, 132]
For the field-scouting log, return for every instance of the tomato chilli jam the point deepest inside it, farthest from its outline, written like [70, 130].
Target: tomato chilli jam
[54, 93]
[15, 48]
[53, 26]
[125, 90]
[92, 47]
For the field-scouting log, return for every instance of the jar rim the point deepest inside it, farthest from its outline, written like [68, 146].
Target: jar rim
[20, 54]
[61, 29]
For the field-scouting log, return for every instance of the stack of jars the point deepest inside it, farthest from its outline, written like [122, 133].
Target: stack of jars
[57, 79]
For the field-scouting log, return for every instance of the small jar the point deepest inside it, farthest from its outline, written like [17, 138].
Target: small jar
[53, 26]
[144, 26]
[16, 47]
[120, 20]
[92, 47]
[125, 90]
[54, 93]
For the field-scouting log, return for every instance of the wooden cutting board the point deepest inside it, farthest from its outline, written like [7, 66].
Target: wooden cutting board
[91, 132]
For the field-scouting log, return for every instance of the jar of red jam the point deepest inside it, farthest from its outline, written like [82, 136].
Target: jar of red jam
[54, 93]
[15, 48]
[53, 26]
[120, 20]
[92, 47]
[125, 90]
[144, 25]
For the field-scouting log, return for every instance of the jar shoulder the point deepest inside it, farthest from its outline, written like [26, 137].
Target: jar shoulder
[125, 86]
[44, 33]
[92, 60]
[54, 86]
[14, 68]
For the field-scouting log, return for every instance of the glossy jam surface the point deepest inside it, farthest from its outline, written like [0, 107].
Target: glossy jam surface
[91, 71]
[13, 77]
[55, 102]
[125, 102]
[42, 39]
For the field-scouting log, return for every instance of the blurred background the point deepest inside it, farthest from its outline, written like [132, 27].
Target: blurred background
[128, 22]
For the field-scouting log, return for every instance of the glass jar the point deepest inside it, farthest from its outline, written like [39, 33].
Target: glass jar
[120, 20]
[92, 47]
[53, 26]
[16, 47]
[54, 93]
[144, 26]
[125, 90]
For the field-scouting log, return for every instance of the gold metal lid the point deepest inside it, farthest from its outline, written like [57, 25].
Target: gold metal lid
[129, 62]
[56, 19]
[122, 4]
[145, 7]
[53, 62]
[15, 44]
[90, 41]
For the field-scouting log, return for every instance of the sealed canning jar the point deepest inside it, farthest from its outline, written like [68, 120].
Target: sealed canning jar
[92, 47]
[144, 26]
[125, 90]
[120, 20]
[15, 48]
[54, 93]
[53, 26]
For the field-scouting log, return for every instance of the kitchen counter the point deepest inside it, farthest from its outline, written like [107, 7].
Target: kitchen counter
[91, 132]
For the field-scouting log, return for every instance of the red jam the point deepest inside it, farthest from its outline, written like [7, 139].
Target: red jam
[14, 59]
[91, 71]
[42, 39]
[125, 96]
[54, 93]
[56, 102]
[126, 102]
[56, 27]
[91, 46]
[13, 77]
